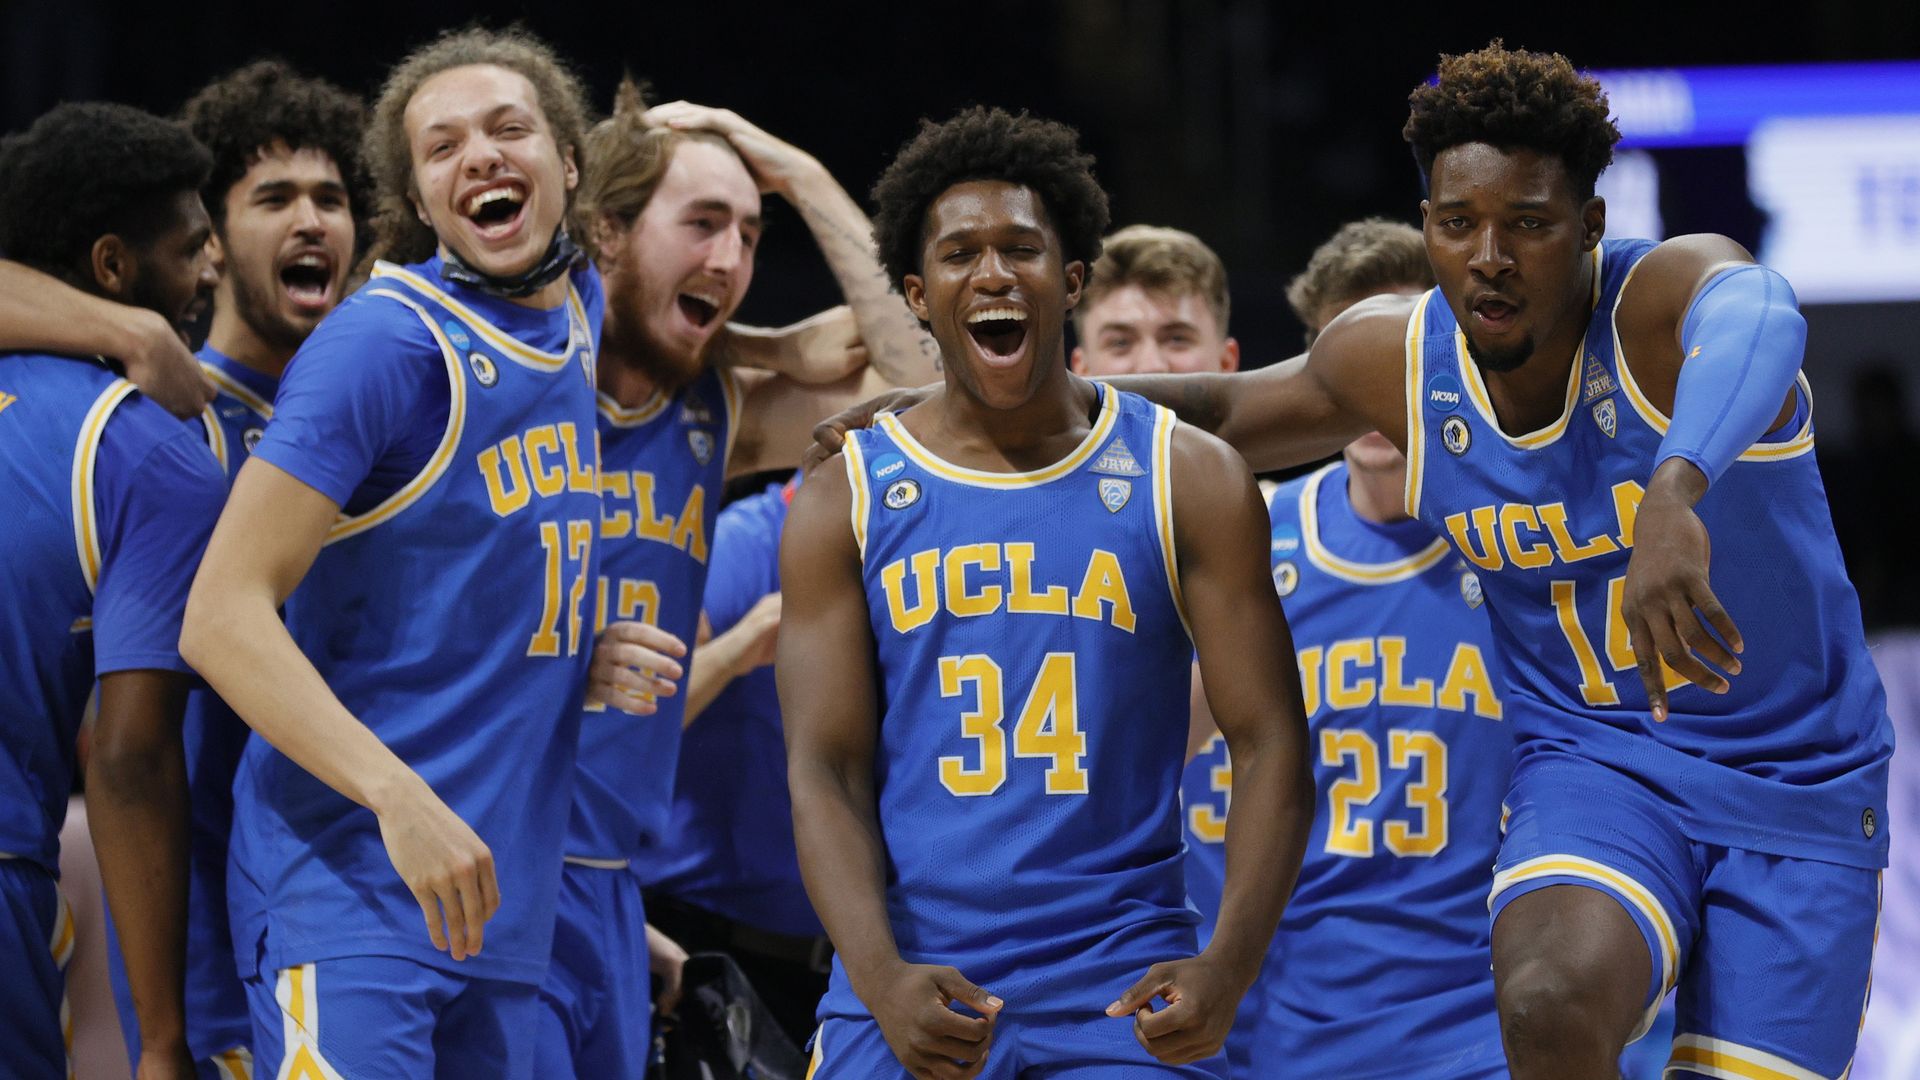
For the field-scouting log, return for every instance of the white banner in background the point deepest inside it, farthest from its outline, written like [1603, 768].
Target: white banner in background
[1844, 195]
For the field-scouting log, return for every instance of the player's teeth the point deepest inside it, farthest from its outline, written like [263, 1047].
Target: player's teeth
[495, 195]
[998, 313]
[309, 260]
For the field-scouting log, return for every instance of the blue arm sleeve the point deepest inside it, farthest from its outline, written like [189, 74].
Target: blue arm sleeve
[156, 504]
[1743, 338]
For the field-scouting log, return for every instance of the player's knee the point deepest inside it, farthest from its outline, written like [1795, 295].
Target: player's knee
[1556, 1011]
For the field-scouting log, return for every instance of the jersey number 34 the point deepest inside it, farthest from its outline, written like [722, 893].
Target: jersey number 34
[1048, 726]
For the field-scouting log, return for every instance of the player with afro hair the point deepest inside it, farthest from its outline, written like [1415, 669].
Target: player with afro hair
[264, 103]
[984, 143]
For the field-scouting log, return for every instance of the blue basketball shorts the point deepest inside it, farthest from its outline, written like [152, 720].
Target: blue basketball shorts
[1031, 1047]
[596, 1004]
[36, 941]
[1771, 955]
[385, 1018]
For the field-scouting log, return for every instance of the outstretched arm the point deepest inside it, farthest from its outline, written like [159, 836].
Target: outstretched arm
[40, 313]
[1253, 689]
[897, 347]
[1716, 342]
[830, 708]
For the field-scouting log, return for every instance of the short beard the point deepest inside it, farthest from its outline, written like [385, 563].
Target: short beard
[1505, 359]
[638, 349]
[258, 313]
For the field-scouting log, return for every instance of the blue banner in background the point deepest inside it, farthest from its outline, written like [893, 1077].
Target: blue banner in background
[1721, 106]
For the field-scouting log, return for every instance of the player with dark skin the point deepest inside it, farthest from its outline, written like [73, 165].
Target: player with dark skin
[1510, 237]
[990, 244]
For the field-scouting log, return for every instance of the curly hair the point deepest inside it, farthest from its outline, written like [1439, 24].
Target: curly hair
[84, 171]
[1514, 98]
[397, 233]
[1363, 258]
[988, 144]
[265, 103]
[622, 162]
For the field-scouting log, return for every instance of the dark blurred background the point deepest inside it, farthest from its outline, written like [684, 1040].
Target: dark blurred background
[1259, 126]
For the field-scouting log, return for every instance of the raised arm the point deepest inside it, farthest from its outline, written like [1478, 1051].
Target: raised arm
[265, 543]
[897, 347]
[1253, 690]
[830, 708]
[41, 313]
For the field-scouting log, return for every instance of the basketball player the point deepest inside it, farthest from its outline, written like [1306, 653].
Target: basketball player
[283, 150]
[1579, 417]
[673, 217]
[110, 501]
[428, 482]
[983, 667]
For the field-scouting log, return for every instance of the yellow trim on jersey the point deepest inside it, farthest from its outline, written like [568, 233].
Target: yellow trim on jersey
[61, 943]
[1359, 573]
[345, 526]
[234, 388]
[81, 625]
[1801, 443]
[514, 349]
[1726, 1060]
[86, 449]
[1102, 427]
[1619, 885]
[622, 417]
[819, 1051]
[735, 401]
[298, 994]
[1416, 362]
[856, 465]
[234, 1064]
[1163, 425]
[216, 438]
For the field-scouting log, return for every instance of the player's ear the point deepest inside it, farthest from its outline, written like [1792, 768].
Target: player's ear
[112, 264]
[1077, 361]
[1076, 272]
[1230, 355]
[217, 253]
[572, 167]
[604, 233]
[914, 288]
[1593, 223]
[1424, 207]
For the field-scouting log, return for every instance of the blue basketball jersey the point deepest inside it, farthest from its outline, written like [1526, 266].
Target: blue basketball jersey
[1385, 943]
[729, 844]
[1793, 759]
[662, 470]
[107, 505]
[214, 737]
[453, 617]
[1033, 661]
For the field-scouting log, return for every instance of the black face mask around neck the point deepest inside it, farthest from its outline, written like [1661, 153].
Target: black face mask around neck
[561, 257]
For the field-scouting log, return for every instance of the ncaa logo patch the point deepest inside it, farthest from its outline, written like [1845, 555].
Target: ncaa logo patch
[1605, 416]
[901, 494]
[1470, 589]
[456, 334]
[1286, 539]
[1286, 578]
[701, 443]
[1443, 392]
[888, 464]
[1114, 493]
[483, 368]
[1456, 436]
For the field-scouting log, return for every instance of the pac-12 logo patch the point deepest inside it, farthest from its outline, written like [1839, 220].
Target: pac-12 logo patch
[1286, 578]
[1443, 392]
[887, 465]
[1605, 416]
[901, 494]
[1470, 589]
[1114, 493]
[483, 368]
[456, 334]
[701, 443]
[1456, 436]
